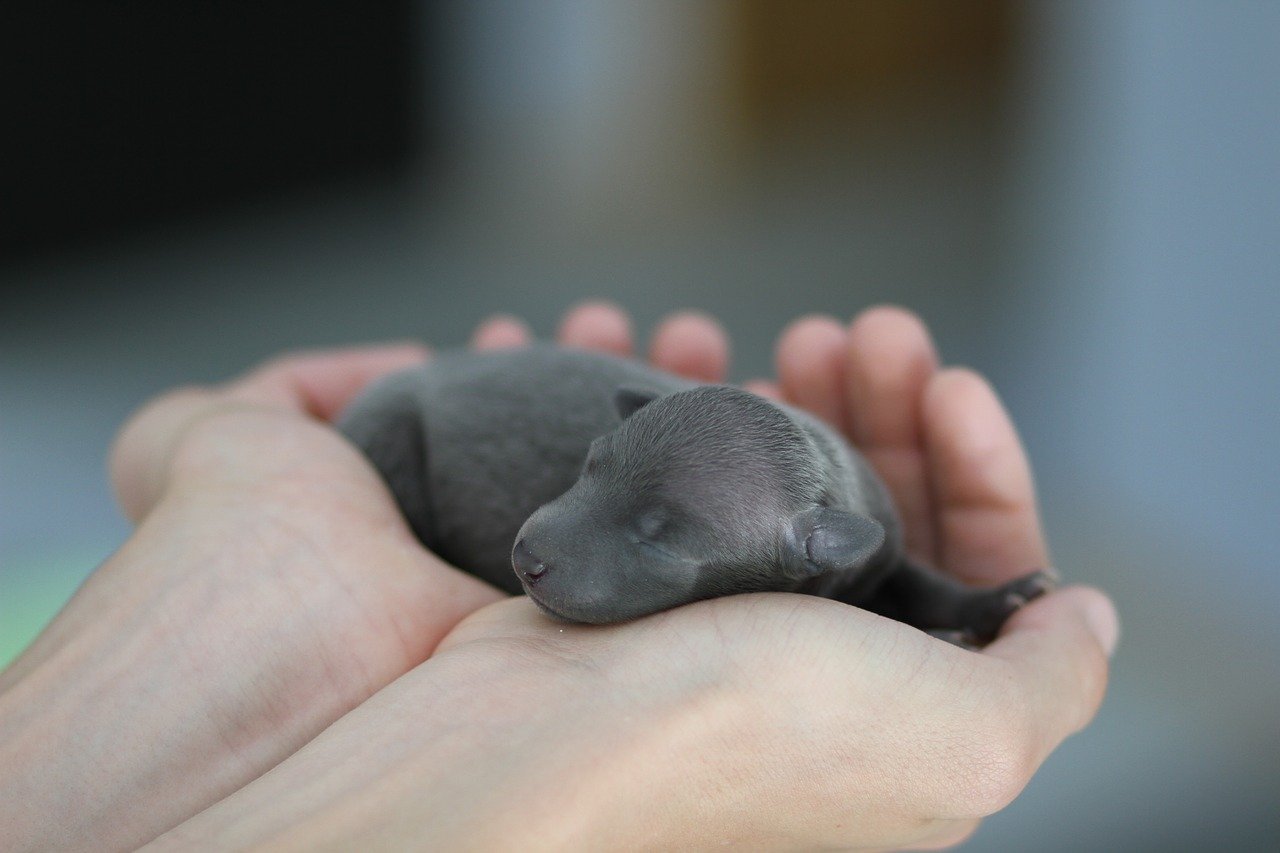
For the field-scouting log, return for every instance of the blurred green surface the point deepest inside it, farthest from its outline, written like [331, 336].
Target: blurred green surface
[33, 589]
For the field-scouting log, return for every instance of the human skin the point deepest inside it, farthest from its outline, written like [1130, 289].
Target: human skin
[271, 588]
[764, 721]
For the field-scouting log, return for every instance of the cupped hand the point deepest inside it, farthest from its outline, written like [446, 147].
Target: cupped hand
[767, 720]
[270, 586]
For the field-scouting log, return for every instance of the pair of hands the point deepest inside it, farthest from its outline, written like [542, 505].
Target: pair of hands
[227, 658]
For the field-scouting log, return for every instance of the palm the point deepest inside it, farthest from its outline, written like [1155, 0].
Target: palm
[819, 713]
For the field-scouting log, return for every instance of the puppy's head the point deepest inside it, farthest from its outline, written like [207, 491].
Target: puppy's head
[694, 495]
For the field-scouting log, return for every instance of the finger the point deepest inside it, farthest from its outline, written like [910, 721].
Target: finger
[141, 451]
[984, 499]
[691, 345]
[322, 383]
[317, 384]
[765, 388]
[599, 326]
[1058, 647]
[811, 367]
[501, 332]
[889, 360]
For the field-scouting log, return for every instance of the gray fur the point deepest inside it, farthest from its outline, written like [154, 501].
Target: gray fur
[617, 491]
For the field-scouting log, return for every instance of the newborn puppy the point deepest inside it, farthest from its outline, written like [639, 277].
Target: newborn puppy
[615, 491]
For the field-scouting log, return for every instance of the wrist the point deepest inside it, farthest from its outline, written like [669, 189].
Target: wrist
[177, 677]
[95, 754]
[134, 724]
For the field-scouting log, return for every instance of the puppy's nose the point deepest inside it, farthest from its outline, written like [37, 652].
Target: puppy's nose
[526, 563]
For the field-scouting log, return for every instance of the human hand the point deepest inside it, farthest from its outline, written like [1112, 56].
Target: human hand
[271, 585]
[768, 720]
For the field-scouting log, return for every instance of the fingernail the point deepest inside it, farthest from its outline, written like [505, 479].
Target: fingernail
[1104, 624]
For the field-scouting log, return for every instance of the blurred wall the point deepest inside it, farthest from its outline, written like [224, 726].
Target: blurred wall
[1144, 244]
[120, 116]
[1137, 341]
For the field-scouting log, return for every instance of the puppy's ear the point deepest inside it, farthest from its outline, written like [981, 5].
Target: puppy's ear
[822, 540]
[628, 400]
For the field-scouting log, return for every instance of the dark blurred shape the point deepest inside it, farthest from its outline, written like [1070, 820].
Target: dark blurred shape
[120, 115]
[802, 58]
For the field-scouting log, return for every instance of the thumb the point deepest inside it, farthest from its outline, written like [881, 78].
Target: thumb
[1059, 646]
[317, 384]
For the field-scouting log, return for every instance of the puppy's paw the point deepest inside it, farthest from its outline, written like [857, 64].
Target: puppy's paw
[988, 609]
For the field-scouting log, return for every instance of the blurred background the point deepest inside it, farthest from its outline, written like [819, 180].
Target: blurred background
[1081, 198]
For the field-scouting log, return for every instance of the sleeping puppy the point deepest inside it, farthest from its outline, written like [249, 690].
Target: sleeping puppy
[606, 490]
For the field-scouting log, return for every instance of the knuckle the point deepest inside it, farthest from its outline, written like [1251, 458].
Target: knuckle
[284, 363]
[164, 406]
[1004, 754]
[229, 433]
[153, 424]
[137, 459]
[1003, 773]
[182, 397]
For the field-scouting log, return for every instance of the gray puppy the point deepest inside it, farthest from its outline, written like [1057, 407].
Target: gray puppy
[606, 490]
